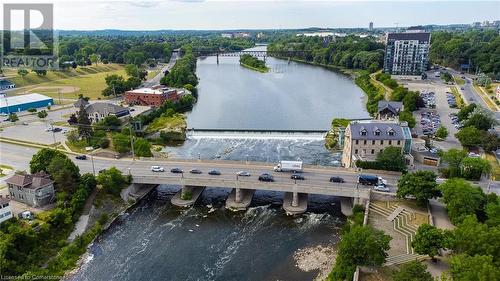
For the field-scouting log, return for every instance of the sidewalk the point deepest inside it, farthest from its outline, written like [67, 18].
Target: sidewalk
[440, 215]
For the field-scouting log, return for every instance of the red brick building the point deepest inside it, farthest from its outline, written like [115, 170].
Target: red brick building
[155, 96]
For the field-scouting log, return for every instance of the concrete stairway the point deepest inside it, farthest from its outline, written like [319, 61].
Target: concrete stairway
[401, 224]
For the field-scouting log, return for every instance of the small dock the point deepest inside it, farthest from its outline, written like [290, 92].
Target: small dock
[239, 199]
[191, 192]
[295, 203]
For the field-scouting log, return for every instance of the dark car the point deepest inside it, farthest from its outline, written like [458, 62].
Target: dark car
[214, 173]
[81, 157]
[176, 171]
[336, 179]
[195, 171]
[266, 177]
[297, 177]
[57, 130]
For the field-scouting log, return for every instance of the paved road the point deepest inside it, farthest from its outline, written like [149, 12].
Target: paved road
[156, 80]
[19, 157]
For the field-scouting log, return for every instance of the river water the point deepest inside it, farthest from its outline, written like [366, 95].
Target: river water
[156, 241]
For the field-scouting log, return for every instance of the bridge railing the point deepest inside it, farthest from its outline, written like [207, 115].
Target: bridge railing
[345, 189]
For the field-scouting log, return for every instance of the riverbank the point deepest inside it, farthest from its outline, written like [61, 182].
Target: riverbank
[353, 73]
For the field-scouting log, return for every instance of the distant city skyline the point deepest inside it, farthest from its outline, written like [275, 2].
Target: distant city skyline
[227, 15]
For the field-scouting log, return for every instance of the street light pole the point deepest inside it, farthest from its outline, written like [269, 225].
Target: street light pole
[131, 142]
[92, 159]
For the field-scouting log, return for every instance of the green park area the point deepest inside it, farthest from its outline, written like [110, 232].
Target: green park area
[66, 84]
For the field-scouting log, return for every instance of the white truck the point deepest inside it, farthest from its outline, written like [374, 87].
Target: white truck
[288, 166]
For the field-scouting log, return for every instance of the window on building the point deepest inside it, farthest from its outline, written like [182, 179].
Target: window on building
[377, 132]
[355, 151]
[382, 142]
[391, 132]
[399, 142]
[373, 142]
[364, 142]
[390, 142]
[373, 151]
[381, 150]
[357, 141]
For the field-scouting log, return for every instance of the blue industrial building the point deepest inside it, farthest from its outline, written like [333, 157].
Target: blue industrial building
[19, 103]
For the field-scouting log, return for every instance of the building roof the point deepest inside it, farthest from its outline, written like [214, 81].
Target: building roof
[105, 108]
[81, 101]
[371, 127]
[30, 181]
[157, 90]
[4, 200]
[420, 36]
[22, 99]
[393, 106]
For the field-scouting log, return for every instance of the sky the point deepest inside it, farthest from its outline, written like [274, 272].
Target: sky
[258, 14]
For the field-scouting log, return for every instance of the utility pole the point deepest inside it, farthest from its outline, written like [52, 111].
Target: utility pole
[53, 133]
[131, 141]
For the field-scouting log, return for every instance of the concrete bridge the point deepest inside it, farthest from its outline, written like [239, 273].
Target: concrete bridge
[296, 191]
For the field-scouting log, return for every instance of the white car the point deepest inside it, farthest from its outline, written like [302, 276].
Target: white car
[474, 155]
[382, 181]
[381, 187]
[157, 169]
[243, 174]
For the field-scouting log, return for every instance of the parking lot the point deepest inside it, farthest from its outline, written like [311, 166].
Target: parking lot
[35, 132]
[438, 113]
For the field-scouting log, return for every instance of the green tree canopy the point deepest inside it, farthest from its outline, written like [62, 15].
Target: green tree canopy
[462, 199]
[469, 136]
[112, 180]
[142, 148]
[428, 240]
[479, 267]
[473, 167]
[453, 158]
[392, 159]
[420, 184]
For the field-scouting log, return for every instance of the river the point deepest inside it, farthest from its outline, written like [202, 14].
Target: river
[156, 241]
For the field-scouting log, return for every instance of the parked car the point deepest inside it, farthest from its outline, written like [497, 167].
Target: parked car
[4, 114]
[157, 169]
[474, 155]
[81, 157]
[176, 171]
[266, 177]
[297, 177]
[57, 130]
[243, 174]
[381, 187]
[336, 179]
[25, 123]
[195, 171]
[214, 173]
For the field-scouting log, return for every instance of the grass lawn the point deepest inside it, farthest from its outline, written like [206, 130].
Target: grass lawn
[381, 88]
[482, 92]
[88, 81]
[178, 121]
[78, 146]
[458, 97]
[459, 80]
[4, 170]
[152, 73]
[495, 168]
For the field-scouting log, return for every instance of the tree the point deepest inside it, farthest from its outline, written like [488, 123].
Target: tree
[72, 136]
[362, 245]
[42, 114]
[483, 80]
[493, 210]
[469, 136]
[73, 120]
[442, 132]
[462, 199]
[407, 117]
[64, 173]
[412, 271]
[420, 184]
[109, 122]
[142, 148]
[22, 72]
[84, 128]
[464, 113]
[478, 267]
[112, 180]
[490, 142]
[475, 238]
[41, 160]
[121, 142]
[453, 158]
[94, 58]
[13, 117]
[428, 240]
[40, 72]
[480, 118]
[392, 159]
[472, 168]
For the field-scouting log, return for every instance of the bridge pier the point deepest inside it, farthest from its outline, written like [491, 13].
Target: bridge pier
[347, 203]
[295, 203]
[187, 196]
[239, 199]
